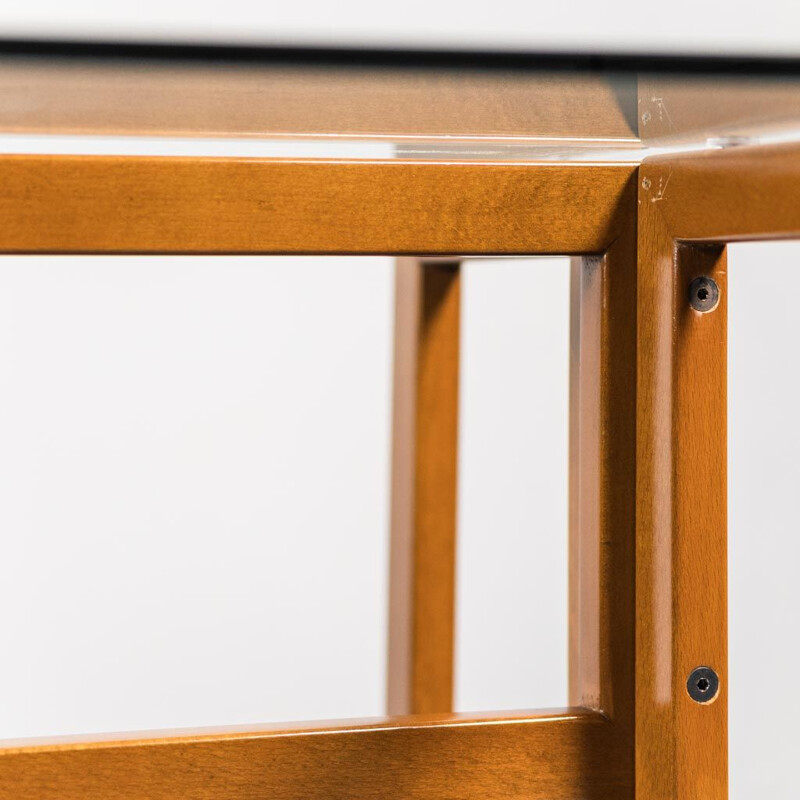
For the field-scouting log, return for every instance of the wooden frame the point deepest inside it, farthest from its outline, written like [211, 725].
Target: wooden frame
[152, 205]
[647, 458]
[690, 207]
[425, 457]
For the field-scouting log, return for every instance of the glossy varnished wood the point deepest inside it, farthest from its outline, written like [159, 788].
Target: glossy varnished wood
[206, 205]
[739, 194]
[560, 756]
[425, 457]
[602, 486]
[681, 566]
[153, 205]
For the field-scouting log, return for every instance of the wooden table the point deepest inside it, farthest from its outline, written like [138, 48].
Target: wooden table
[642, 170]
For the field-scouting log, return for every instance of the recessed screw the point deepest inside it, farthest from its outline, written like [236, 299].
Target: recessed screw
[703, 294]
[703, 685]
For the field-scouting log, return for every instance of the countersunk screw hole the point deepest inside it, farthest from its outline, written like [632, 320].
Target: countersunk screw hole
[703, 294]
[703, 685]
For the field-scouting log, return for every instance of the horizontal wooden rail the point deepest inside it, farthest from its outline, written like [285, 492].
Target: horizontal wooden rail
[56, 204]
[561, 756]
[739, 194]
[89, 204]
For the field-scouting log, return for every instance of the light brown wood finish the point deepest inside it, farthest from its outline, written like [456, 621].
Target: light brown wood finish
[681, 745]
[151, 205]
[561, 756]
[85, 96]
[205, 205]
[739, 194]
[690, 206]
[681, 561]
[425, 455]
[602, 485]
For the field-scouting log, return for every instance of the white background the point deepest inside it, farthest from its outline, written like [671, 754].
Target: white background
[737, 26]
[194, 483]
[763, 540]
[194, 460]
[194, 490]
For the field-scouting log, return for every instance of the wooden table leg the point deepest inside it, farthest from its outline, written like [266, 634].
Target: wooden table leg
[425, 451]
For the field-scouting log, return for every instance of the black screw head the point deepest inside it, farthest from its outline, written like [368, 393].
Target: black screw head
[703, 685]
[703, 294]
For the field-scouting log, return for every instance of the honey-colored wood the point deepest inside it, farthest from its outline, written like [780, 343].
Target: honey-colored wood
[690, 205]
[602, 485]
[681, 566]
[167, 205]
[85, 96]
[648, 427]
[739, 194]
[205, 205]
[560, 756]
[425, 455]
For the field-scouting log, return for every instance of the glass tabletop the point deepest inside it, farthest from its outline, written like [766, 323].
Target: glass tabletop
[423, 104]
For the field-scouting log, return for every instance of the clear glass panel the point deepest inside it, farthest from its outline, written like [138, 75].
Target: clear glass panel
[511, 634]
[764, 547]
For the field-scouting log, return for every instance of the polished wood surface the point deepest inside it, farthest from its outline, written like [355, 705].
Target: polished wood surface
[737, 194]
[168, 205]
[96, 96]
[206, 205]
[690, 206]
[558, 756]
[647, 392]
[681, 563]
[425, 459]
[602, 482]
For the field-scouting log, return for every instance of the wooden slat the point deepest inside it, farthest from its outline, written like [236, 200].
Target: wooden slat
[197, 205]
[39, 95]
[425, 454]
[738, 194]
[562, 756]
[681, 605]
[602, 482]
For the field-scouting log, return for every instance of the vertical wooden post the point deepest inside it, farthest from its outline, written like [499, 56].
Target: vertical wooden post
[681, 601]
[602, 485]
[425, 445]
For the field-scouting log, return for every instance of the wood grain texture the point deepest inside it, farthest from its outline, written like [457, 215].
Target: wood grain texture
[561, 756]
[681, 566]
[39, 95]
[161, 205]
[739, 194]
[425, 458]
[199, 205]
[602, 482]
